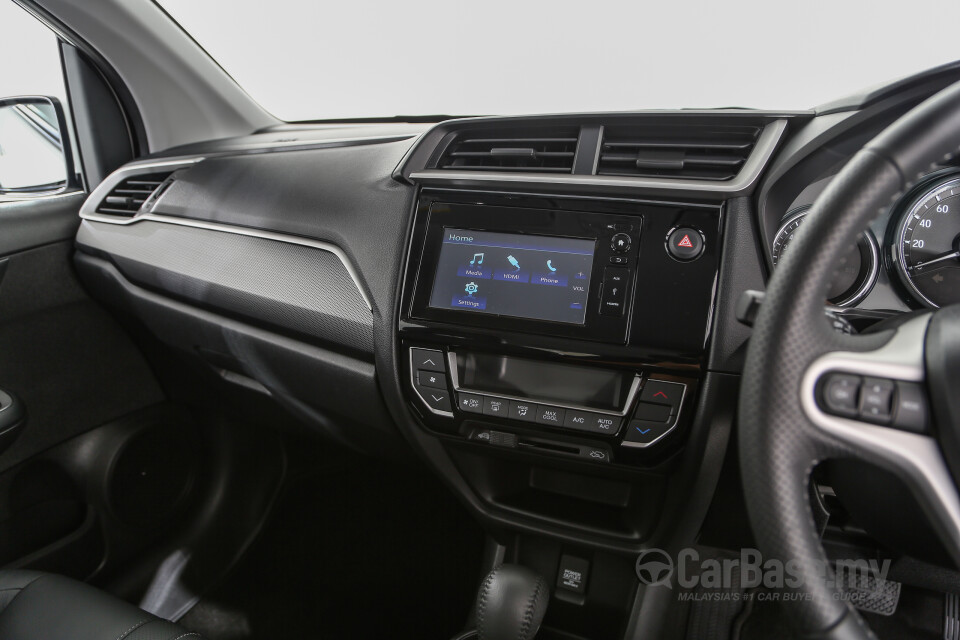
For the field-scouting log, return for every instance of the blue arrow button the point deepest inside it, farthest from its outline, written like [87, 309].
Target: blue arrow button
[643, 431]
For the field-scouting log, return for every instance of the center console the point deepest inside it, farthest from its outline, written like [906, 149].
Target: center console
[558, 326]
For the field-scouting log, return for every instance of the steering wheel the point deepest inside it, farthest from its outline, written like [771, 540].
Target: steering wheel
[784, 430]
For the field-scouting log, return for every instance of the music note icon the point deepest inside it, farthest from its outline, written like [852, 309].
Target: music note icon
[477, 258]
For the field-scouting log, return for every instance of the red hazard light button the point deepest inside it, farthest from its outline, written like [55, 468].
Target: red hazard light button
[685, 244]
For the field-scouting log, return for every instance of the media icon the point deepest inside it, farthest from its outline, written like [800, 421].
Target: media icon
[477, 259]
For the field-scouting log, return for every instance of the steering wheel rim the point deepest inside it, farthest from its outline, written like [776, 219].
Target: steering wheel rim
[783, 435]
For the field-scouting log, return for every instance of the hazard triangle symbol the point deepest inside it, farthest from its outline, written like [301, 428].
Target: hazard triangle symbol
[685, 242]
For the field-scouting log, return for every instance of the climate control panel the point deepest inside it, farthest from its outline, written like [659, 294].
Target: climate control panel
[502, 397]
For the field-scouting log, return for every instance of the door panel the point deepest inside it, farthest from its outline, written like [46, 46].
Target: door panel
[74, 369]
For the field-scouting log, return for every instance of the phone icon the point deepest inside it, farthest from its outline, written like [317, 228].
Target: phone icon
[550, 266]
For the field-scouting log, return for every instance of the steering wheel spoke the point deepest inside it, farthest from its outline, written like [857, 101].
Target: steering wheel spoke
[875, 402]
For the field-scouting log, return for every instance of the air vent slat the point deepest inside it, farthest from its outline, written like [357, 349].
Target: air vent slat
[522, 149]
[698, 151]
[126, 198]
[519, 140]
[487, 154]
[650, 144]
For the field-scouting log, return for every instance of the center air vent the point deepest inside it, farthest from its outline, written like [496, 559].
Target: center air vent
[530, 149]
[128, 196]
[692, 152]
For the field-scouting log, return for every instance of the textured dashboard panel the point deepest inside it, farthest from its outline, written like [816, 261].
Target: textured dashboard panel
[344, 195]
[303, 289]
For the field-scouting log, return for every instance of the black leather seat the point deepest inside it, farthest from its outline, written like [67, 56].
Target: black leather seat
[43, 606]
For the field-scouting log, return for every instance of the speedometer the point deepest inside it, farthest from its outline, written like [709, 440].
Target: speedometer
[927, 249]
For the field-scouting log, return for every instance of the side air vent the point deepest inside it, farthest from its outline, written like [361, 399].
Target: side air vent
[532, 149]
[128, 196]
[693, 152]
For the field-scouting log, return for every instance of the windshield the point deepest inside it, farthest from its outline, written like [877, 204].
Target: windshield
[308, 60]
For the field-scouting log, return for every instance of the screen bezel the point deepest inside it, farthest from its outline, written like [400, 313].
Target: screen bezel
[522, 221]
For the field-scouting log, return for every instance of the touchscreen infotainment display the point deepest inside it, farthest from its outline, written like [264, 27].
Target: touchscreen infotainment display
[517, 275]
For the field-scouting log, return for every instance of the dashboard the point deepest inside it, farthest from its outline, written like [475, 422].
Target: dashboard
[543, 308]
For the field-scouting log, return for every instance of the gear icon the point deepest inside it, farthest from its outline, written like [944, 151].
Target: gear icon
[471, 288]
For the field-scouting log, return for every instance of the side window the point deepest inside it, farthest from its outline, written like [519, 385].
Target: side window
[35, 147]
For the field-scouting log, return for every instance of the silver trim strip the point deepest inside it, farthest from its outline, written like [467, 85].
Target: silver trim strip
[762, 152]
[413, 383]
[88, 213]
[916, 457]
[455, 380]
[676, 420]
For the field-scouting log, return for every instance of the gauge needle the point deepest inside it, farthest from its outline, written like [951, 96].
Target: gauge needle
[946, 256]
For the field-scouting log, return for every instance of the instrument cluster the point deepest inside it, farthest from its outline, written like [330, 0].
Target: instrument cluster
[917, 255]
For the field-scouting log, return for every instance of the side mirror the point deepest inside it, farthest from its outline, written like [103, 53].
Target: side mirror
[35, 153]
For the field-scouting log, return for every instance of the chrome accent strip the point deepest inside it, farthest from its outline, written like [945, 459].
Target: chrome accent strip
[916, 457]
[413, 383]
[676, 421]
[762, 152]
[871, 278]
[455, 380]
[88, 213]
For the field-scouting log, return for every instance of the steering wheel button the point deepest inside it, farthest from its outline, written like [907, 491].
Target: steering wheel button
[910, 408]
[876, 395]
[841, 394]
